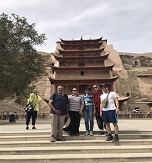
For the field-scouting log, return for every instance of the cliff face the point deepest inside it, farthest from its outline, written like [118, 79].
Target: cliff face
[135, 79]
[130, 61]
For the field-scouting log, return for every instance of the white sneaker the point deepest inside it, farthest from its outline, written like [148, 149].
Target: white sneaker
[91, 133]
[52, 139]
[87, 133]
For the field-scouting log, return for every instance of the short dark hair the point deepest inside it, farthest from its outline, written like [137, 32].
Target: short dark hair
[104, 85]
[87, 89]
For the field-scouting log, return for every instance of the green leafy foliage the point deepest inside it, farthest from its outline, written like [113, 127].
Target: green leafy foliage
[20, 64]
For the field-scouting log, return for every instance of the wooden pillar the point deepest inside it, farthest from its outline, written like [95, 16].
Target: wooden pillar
[66, 89]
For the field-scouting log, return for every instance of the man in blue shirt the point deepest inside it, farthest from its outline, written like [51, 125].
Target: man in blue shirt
[59, 106]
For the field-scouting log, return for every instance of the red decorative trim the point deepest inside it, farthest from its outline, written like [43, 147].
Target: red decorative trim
[101, 68]
[81, 45]
[61, 58]
[72, 52]
[83, 81]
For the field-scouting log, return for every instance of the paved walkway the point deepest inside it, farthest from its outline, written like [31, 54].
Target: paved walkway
[44, 125]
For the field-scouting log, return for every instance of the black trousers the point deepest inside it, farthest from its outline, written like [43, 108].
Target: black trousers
[30, 114]
[75, 122]
[100, 122]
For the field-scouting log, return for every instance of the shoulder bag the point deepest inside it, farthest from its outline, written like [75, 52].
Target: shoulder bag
[105, 102]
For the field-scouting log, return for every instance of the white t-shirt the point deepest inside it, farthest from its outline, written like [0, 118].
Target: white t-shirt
[111, 102]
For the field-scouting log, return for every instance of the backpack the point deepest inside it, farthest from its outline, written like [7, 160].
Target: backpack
[29, 107]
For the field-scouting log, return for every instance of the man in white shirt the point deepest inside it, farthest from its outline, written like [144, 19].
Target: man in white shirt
[109, 112]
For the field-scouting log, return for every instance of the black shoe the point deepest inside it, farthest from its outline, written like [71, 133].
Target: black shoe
[109, 138]
[71, 134]
[27, 128]
[115, 139]
[60, 139]
[33, 127]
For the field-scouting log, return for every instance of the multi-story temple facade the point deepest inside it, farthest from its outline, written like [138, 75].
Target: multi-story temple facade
[81, 63]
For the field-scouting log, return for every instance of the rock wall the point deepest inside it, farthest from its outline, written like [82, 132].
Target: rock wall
[135, 78]
[128, 66]
[130, 60]
[43, 86]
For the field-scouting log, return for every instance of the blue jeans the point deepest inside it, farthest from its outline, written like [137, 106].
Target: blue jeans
[88, 113]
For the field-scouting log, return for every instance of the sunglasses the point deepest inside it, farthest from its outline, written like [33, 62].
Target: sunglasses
[104, 87]
[74, 90]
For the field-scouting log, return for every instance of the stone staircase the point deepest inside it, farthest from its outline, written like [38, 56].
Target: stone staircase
[35, 146]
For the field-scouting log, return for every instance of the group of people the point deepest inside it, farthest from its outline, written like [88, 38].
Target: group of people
[11, 116]
[89, 105]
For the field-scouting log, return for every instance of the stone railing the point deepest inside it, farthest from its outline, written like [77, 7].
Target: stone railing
[134, 115]
[22, 116]
[45, 116]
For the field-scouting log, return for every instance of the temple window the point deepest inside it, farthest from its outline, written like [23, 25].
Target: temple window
[82, 73]
[81, 64]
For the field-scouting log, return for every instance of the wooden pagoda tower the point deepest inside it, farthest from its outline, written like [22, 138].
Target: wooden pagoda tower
[80, 63]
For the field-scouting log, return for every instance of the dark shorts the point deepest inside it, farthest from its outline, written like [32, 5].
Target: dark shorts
[110, 116]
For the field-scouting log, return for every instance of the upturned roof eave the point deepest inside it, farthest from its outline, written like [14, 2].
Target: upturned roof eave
[102, 80]
[81, 40]
[80, 51]
[81, 68]
[58, 57]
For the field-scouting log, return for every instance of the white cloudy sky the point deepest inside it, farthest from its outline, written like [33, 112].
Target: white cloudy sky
[127, 24]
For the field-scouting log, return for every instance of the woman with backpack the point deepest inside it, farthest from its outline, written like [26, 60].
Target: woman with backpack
[33, 101]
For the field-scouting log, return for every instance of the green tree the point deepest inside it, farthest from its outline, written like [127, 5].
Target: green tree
[20, 64]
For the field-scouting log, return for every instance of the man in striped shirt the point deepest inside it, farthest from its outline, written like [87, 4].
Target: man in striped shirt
[75, 110]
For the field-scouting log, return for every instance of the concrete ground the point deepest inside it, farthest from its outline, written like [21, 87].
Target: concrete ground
[44, 125]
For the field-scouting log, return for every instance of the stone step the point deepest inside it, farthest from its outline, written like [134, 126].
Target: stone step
[77, 158]
[67, 143]
[42, 132]
[74, 150]
[34, 146]
[30, 146]
[37, 137]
